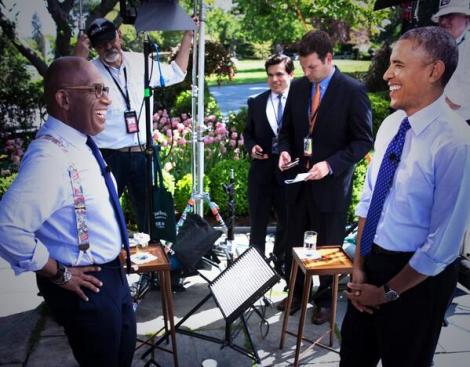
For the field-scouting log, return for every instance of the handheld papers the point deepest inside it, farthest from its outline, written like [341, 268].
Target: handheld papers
[299, 178]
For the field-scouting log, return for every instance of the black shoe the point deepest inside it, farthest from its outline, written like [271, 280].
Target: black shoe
[294, 307]
[321, 315]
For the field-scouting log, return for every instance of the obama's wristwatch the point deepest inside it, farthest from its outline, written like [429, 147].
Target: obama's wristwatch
[390, 294]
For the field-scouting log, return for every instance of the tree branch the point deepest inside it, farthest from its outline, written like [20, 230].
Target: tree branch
[60, 12]
[8, 28]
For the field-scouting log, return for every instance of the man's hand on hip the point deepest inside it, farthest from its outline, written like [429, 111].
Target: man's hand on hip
[81, 279]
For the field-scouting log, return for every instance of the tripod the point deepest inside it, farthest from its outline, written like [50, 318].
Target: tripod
[234, 291]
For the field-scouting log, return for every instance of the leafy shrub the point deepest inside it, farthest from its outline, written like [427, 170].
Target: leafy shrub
[183, 191]
[5, 183]
[358, 181]
[374, 79]
[220, 174]
[174, 135]
[238, 120]
[217, 61]
[380, 109]
[183, 104]
[21, 101]
[169, 181]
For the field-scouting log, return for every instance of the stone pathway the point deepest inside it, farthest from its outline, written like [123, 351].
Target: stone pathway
[32, 339]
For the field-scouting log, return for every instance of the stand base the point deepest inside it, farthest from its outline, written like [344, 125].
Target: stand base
[250, 353]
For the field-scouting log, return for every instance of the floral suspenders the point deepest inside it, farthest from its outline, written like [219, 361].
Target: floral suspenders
[78, 203]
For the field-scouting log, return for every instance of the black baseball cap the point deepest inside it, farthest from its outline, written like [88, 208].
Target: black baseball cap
[101, 30]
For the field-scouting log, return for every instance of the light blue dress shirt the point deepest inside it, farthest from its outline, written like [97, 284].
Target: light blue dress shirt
[323, 87]
[427, 209]
[37, 218]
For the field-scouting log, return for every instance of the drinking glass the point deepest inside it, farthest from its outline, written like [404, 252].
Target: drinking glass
[310, 242]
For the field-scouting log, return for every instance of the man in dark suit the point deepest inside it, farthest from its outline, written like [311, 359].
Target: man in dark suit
[327, 125]
[265, 185]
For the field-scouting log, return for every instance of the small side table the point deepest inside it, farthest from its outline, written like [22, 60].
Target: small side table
[334, 261]
[162, 267]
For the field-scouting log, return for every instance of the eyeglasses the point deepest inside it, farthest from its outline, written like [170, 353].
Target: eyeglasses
[99, 89]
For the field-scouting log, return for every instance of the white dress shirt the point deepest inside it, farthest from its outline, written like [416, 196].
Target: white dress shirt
[37, 217]
[427, 208]
[271, 109]
[115, 135]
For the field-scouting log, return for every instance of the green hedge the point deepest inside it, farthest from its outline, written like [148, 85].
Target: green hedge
[358, 181]
[5, 183]
[380, 108]
[184, 100]
[183, 190]
[220, 174]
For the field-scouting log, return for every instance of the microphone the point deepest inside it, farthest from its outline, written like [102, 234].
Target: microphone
[394, 158]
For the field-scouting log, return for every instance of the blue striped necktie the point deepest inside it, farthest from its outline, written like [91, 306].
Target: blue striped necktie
[280, 111]
[384, 182]
[105, 171]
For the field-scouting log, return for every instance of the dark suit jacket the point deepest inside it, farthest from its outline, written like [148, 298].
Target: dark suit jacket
[259, 131]
[342, 136]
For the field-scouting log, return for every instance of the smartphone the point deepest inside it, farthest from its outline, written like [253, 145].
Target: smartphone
[291, 164]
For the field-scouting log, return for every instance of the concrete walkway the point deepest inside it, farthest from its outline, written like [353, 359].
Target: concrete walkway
[29, 337]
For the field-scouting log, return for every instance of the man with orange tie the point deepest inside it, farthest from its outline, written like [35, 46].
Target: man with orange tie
[327, 125]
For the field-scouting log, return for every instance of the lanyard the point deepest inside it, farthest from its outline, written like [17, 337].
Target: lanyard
[313, 117]
[125, 96]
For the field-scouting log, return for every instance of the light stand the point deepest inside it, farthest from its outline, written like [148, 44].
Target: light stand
[148, 16]
[149, 139]
[199, 170]
[234, 291]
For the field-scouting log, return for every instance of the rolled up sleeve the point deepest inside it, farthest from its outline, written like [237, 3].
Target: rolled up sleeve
[172, 74]
[450, 214]
[32, 198]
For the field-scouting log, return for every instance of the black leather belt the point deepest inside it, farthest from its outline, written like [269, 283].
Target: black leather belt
[133, 149]
[376, 249]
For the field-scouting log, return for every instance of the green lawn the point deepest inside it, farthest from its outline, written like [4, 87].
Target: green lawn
[252, 71]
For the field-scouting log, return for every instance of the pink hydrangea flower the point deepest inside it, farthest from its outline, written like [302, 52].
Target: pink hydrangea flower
[208, 140]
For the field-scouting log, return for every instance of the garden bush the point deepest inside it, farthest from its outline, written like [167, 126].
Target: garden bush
[380, 109]
[237, 120]
[5, 183]
[174, 135]
[220, 174]
[357, 183]
[183, 189]
[184, 100]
